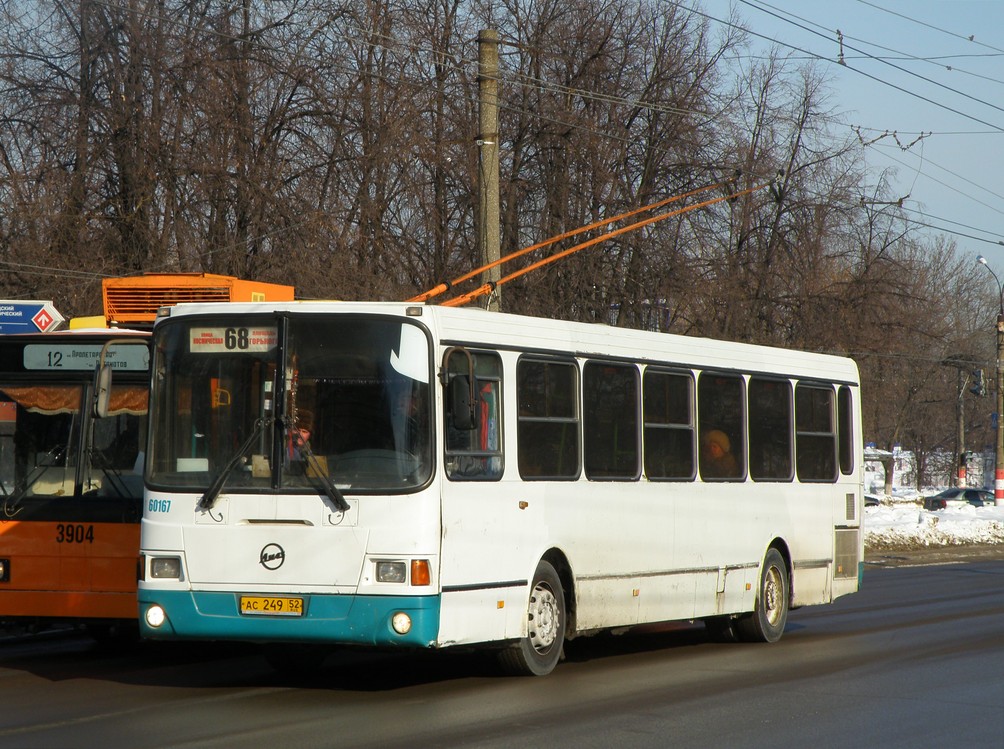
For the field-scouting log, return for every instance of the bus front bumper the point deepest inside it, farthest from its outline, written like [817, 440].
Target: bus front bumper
[336, 619]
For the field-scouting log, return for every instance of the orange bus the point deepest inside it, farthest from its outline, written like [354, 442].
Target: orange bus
[71, 482]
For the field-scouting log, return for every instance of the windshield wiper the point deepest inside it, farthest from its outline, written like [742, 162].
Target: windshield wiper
[330, 489]
[12, 501]
[208, 499]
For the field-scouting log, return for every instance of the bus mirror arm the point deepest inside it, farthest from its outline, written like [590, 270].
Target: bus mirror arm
[102, 391]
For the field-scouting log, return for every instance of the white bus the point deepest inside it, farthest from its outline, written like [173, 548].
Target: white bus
[389, 474]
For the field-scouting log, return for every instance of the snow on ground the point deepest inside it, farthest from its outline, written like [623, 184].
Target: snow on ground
[901, 522]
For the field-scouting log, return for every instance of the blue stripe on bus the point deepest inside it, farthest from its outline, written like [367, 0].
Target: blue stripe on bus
[363, 620]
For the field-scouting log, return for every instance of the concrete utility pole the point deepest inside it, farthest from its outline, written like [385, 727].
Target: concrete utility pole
[963, 364]
[999, 463]
[489, 216]
[960, 437]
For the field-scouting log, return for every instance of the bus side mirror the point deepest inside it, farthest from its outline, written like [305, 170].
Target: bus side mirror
[459, 389]
[102, 390]
[462, 408]
[101, 399]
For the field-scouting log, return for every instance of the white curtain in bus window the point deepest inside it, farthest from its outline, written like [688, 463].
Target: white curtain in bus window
[815, 436]
[476, 454]
[720, 415]
[610, 420]
[548, 428]
[668, 406]
[770, 429]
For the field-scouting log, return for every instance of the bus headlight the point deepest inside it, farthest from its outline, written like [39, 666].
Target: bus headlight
[401, 623]
[165, 568]
[4, 570]
[155, 616]
[391, 572]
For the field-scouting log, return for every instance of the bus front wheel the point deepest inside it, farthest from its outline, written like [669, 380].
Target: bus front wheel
[766, 623]
[539, 651]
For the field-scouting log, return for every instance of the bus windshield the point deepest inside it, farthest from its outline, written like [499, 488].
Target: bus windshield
[40, 428]
[285, 402]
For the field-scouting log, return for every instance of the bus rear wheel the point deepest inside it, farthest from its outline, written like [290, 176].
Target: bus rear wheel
[766, 623]
[539, 652]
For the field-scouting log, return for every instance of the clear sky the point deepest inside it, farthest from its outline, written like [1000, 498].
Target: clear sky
[930, 71]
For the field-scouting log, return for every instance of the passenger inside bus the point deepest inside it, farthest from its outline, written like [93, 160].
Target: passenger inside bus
[717, 460]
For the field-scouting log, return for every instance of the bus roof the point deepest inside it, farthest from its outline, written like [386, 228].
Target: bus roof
[473, 326]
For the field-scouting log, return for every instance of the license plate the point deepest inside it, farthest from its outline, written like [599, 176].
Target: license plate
[271, 606]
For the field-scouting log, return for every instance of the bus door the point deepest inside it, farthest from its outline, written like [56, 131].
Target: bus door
[490, 528]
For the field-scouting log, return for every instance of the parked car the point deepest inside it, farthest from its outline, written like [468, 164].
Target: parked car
[959, 498]
[872, 500]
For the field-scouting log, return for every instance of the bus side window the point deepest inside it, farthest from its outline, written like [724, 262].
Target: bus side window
[720, 414]
[548, 429]
[476, 454]
[770, 429]
[846, 424]
[668, 400]
[815, 435]
[610, 420]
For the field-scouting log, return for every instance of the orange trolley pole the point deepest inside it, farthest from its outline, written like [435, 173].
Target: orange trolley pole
[488, 288]
[444, 287]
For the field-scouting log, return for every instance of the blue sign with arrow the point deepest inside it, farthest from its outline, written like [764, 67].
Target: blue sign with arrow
[18, 316]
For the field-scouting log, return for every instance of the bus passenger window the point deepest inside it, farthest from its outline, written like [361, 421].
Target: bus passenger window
[770, 429]
[476, 454]
[610, 420]
[815, 436]
[846, 424]
[720, 413]
[669, 425]
[548, 428]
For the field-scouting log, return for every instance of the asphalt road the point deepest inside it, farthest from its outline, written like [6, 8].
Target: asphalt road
[912, 660]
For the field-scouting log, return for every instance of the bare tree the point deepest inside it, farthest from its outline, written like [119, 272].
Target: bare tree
[331, 146]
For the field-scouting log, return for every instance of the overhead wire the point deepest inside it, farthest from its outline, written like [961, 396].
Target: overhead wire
[930, 26]
[756, 6]
[829, 35]
[995, 129]
[997, 209]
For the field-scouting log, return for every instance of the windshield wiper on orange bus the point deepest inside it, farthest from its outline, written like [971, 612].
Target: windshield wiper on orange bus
[12, 501]
[208, 499]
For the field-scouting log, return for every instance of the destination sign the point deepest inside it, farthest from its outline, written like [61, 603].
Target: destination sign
[236, 340]
[82, 356]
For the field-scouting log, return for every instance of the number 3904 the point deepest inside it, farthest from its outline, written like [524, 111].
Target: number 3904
[68, 533]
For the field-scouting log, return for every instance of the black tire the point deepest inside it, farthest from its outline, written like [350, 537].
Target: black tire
[770, 613]
[539, 652]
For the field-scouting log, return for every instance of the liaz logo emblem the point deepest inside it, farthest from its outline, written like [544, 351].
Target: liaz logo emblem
[272, 556]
